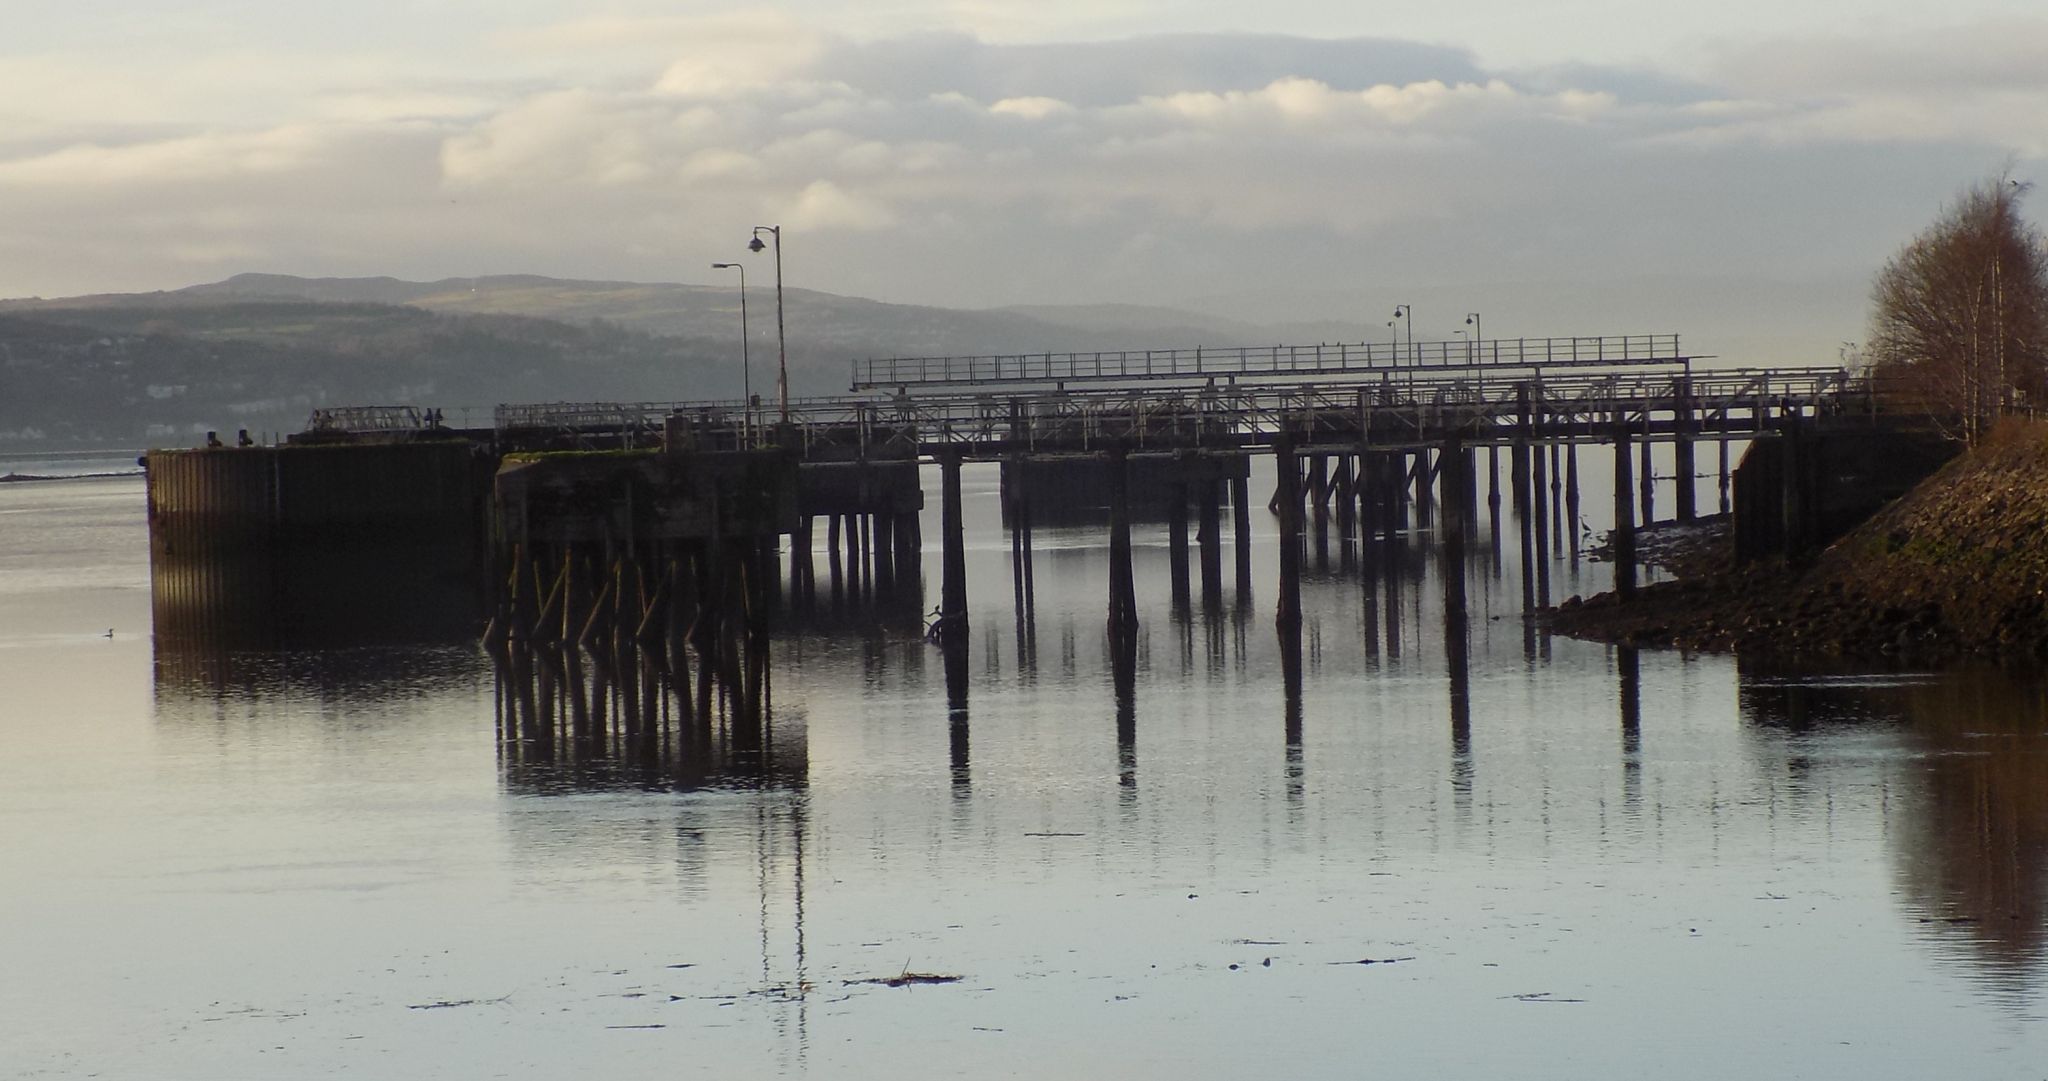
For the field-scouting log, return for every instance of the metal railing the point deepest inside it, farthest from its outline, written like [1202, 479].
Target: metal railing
[1251, 413]
[367, 419]
[1324, 360]
[903, 424]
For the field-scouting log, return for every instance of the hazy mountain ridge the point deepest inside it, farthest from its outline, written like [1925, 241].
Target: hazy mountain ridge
[260, 351]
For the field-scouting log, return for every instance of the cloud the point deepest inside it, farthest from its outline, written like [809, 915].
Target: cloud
[173, 161]
[1031, 108]
[1980, 83]
[823, 205]
[943, 167]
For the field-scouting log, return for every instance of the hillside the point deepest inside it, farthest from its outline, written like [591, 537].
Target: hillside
[1957, 567]
[260, 351]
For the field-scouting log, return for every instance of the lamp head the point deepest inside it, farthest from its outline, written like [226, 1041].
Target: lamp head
[725, 266]
[755, 244]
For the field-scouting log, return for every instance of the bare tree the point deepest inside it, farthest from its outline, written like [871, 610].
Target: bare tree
[1959, 314]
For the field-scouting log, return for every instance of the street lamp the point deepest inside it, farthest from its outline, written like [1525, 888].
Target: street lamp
[746, 364]
[781, 343]
[1478, 331]
[1407, 312]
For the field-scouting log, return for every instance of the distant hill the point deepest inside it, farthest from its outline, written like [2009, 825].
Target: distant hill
[260, 351]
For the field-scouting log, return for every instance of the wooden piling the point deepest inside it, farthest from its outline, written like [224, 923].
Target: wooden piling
[1288, 612]
[1540, 527]
[1682, 450]
[1123, 598]
[953, 573]
[1623, 539]
[1424, 477]
[1647, 480]
[1241, 534]
[1209, 530]
[1571, 498]
[1177, 542]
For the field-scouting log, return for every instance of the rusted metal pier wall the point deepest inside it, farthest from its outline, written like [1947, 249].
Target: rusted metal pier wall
[1798, 492]
[317, 545]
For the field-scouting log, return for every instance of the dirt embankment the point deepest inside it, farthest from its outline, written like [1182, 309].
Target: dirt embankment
[1957, 567]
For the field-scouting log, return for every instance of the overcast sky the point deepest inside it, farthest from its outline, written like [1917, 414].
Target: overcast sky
[1738, 169]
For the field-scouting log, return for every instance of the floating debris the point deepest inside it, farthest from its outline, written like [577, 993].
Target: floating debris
[447, 1004]
[905, 979]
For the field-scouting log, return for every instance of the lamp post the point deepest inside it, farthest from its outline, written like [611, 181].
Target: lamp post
[781, 343]
[746, 364]
[1406, 312]
[1478, 333]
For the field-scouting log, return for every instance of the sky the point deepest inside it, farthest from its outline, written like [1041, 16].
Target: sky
[1737, 170]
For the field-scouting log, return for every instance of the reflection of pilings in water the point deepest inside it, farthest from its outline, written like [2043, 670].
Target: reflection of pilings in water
[955, 652]
[953, 621]
[1457, 636]
[1393, 551]
[1124, 677]
[1628, 661]
[1289, 633]
[1368, 563]
[594, 651]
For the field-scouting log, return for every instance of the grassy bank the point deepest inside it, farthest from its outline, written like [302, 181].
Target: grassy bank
[1957, 567]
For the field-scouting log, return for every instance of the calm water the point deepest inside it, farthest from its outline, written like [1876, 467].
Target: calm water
[319, 865]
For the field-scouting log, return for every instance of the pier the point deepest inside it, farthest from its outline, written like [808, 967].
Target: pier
[625, 560]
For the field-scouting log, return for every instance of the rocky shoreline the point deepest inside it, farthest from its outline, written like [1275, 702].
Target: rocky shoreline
[1956, 569]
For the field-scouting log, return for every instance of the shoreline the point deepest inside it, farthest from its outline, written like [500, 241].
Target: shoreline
[37, 478]
[1956, 570]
